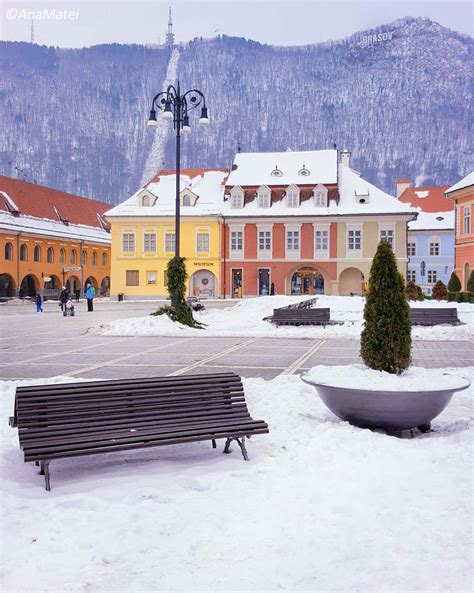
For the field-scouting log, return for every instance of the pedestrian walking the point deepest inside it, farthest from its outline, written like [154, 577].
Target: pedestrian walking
[77, 292]
[63, 298]
[39, 303]
[90, 292]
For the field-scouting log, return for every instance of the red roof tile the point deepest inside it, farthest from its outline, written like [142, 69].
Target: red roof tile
[43, 202]
[434, 201]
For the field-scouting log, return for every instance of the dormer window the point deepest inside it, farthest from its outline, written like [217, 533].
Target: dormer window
[320, 196]
[362, 195]
[263, 196]
[146, 199]
[61, 216]
[304, 172]
[10, 205]
[237, 197]
[276, 172]
[186, 200]
[293, 196]
[103, 223]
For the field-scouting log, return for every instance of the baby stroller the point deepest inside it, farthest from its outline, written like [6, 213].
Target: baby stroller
[69, 309]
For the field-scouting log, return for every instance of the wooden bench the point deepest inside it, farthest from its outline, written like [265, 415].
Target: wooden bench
[76, 419]
[286, 316]
[434, 316]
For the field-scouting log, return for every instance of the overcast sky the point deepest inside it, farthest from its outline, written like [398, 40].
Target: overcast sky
[277, 22]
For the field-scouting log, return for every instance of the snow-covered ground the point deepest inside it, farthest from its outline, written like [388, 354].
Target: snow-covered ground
[246, 319]
[321, 506]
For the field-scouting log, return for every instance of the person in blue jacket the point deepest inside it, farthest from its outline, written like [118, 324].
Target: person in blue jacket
[90, 292]
[39, 303]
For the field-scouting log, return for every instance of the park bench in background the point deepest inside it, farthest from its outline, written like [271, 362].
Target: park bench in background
[194, 303]
[76, 419]
[434, 316]
[286, 316]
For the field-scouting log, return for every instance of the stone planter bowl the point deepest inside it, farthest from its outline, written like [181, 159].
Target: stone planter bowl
[390, 410]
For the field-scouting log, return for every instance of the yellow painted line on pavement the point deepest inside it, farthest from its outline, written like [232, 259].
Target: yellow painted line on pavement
[294, 366]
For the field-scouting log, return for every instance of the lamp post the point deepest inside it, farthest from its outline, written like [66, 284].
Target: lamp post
[175, 106]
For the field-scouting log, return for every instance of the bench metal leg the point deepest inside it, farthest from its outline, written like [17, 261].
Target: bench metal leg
[240, 442]
[41, 464]
[46, 475]
[214, 443]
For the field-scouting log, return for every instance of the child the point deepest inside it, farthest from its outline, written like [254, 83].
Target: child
[38, 301]
[69, 308]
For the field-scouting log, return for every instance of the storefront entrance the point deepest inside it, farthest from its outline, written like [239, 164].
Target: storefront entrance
[307, 281]
[237, 283]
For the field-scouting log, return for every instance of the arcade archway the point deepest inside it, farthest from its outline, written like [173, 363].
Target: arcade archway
[307, 280]
[105, 286]
[351, 281]
[203, 283]
[29, 286]
[7, 286]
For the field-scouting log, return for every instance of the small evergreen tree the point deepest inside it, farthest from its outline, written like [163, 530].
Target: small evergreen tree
[179, 310]
[454, 284]
[439, 292]
[411, 291]
[386, 338]
[470, 283]
[419, 293]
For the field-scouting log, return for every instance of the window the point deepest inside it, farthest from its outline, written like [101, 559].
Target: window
[292, 240]
[151, 277]
[37, 253]
[321, 240]
[165, 278]
[276, 172]
[320, 196]
[149, 242]
[128, 242]
[237, 198]
[132, 278]
[8, 251]
[264, 240]
[202, 242]
[84, 258]
[263, 197]
[411, 248]
[73, 256]
[292, 197]
[104, 259]
[94, 258]
[23, 253]
[236, 241]
[62, 256]
[304, 172]
[434, 248]
[354, 240]
[146, 201]
[186, 200]
[467, 220]
[411, 275]
[170, 242]
[432, 276]
[387, 235]
[50, 255]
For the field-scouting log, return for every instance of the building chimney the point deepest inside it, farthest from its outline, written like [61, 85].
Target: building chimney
[402, 185]
[345, 157]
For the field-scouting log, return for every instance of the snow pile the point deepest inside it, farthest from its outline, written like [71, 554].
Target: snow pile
[246, 319]
[413, 379]
[320, 506]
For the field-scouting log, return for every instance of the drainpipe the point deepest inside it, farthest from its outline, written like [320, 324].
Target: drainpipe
[81, 243]
[223, 242]
[18, 264]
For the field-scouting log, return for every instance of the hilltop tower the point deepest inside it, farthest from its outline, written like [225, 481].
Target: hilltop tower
[170, 34]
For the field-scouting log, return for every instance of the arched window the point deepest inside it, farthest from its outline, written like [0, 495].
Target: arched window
[104, 259]
[94, 258]
[186, 200]
[23, 253]
[8, 251]
[50, 255]
[37, 253]
[73, 256]
[62, 256]
[84, 258]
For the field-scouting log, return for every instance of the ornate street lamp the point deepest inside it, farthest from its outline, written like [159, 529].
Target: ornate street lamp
[175, 106]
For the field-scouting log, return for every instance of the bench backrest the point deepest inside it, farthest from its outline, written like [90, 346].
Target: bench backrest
[434, 313]
[322, 313]
[92, 402]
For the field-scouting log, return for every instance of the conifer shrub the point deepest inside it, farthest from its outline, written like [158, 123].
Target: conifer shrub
[439, 292]
[386, 338]
[419, 293]
[454, 284]
[411, 291]
[179, 310]
[470, 283]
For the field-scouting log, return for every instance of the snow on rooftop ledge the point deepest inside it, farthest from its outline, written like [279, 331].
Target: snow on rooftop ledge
[422, 194]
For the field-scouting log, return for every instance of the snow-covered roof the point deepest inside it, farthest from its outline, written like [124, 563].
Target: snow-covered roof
[51, 228]
[302, 167]
[428, 221]
[465, 182]
[207, 184]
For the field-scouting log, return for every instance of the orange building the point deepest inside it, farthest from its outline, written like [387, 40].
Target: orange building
[49, 238]
[462, 193]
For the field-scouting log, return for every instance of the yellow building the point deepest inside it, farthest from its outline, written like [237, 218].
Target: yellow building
[143, 235]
